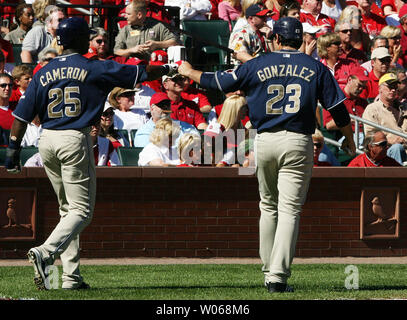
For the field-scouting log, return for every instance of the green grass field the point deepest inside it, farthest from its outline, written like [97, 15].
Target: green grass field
[212, 282]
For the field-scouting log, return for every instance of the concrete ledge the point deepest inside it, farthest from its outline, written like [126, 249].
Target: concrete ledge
[212, 172]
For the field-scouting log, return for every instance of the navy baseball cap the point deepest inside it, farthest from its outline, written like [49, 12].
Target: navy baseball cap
[71, 28]
[257, 10]
[289, 28]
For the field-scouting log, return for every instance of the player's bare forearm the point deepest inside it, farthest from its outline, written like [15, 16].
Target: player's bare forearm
[186, 70]
[331, 125]
[18, 129]
[348, 144]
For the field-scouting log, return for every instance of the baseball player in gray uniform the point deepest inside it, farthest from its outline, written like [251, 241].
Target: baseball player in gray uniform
[68, 95]
[282, 90]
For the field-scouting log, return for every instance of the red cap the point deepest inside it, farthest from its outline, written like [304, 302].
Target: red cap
[92, 52]
[161, 99]
[361, 73]
[403, 11]
[158, 58]
[135, 61]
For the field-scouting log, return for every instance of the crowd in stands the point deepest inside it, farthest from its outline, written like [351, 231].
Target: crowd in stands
[174, 122]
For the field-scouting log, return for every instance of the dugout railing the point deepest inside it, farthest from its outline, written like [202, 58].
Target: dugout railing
[359, 120]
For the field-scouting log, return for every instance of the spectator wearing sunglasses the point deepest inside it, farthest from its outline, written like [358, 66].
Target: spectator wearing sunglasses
[126, 116]
[182, 109]
[329, 49]
[388, 112]
[99, 47]
[344, 29]
[376, 42]
[375, 146]
[6, 86]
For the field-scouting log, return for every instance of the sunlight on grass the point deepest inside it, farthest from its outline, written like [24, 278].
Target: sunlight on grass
[212, 282]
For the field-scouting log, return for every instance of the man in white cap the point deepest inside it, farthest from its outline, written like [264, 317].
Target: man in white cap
[381, 60]
[310, 39]
[388, 112]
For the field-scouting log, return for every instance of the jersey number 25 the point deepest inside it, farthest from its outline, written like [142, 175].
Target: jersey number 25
[72, 104]
[294, 93]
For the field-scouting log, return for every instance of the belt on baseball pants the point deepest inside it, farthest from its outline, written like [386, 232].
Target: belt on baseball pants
[85, 130]
[274, 129]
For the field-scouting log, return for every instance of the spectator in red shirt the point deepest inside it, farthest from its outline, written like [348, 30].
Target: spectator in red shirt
[99, 47]
[182, 109]
[22, 75]
[381, 60]
[403, 28]
[390, 9]
[157, 58]
[329, 49]
[214, 10]
[6, 108]
[311, 13]
[344, 29]
[377, 42]
[372, 23]
[375, 146]
[196, 95]
[7, 49]
[354, 103]
[360, 39]
[277, 5]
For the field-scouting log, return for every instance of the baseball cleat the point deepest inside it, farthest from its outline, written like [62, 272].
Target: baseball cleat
[278, 287]
[82, 286]
[34, 257]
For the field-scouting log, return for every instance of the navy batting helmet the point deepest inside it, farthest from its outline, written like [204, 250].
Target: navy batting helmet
[71, 29]
[289, 28]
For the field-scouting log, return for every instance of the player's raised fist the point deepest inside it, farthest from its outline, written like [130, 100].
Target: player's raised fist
[184, 68]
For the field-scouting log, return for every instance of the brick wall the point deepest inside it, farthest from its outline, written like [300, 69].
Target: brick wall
[210, 212]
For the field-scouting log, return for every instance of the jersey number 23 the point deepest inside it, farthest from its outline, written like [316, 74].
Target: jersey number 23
[293, 91]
